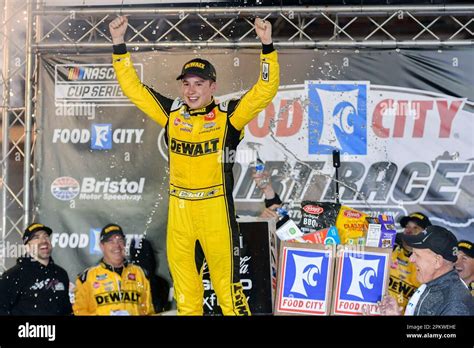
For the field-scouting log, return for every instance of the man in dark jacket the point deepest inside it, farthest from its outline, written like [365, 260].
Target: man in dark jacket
[442, 292]
[35, 285]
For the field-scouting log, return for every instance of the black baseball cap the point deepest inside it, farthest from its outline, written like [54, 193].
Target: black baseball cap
[32, 229]
[109, 231]
[467, 247]
[199, 67]
[418, 218]
[436, 238]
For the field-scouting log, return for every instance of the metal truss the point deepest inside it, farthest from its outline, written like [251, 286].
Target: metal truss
[12, 110]
[294, 27]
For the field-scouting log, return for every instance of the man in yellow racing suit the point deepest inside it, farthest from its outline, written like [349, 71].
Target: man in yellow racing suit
[114, 286]
[403, 282]
[199, 132]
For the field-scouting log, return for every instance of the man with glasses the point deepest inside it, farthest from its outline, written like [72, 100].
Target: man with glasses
[35, 285]
[114, 286]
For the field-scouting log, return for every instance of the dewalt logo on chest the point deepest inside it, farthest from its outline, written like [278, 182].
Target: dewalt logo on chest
[194, 149]
[117, 297]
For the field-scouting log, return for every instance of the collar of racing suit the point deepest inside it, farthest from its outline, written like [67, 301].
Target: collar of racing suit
[202, 111]
[111, 268]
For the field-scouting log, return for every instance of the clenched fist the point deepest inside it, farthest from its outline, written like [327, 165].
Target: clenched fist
[263, 29]
[117, 28]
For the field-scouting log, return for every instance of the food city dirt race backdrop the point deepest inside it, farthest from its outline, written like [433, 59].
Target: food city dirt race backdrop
[402, 119]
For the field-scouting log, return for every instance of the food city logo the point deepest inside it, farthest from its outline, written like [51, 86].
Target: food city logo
[306, 270]
[101, 136]
[89, 83]
[304, 281]
[89, 241]
[337, 115]
[350, 115]
[67, 188]
[360, 282]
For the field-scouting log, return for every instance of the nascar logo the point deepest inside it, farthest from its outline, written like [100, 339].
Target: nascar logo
[90, 73]
[75, 74]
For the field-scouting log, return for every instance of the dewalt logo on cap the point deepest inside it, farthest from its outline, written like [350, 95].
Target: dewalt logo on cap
[418, 216]
[111, 229]
[467, 247]
[34, 226]
[195, 65]
[32, 229]
[199, 67]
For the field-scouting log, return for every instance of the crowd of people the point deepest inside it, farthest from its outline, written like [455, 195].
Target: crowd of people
[115, 286]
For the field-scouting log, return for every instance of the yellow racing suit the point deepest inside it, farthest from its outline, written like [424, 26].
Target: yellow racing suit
[100, 290]
[403, 282]
[201, 208]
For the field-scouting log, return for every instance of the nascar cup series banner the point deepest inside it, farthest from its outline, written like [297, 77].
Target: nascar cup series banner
[403, 121]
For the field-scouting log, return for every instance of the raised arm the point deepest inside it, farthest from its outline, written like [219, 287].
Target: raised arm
[145, 98]
[262, 93]
[117, 28]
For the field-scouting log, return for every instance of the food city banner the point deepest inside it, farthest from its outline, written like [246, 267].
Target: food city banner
[305, 279]
[402, 119]
[361, 280]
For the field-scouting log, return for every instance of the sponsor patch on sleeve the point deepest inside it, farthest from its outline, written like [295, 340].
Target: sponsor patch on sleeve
[265, 71]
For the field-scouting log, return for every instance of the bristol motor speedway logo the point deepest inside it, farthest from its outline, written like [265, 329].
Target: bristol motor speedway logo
[89, 83]
[66, 188]
[360, 282]
[304, 281]
[337, 114]
[101, 136]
